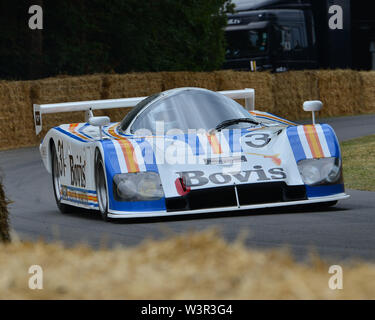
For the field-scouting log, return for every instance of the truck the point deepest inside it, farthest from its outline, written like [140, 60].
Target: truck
[280, 35]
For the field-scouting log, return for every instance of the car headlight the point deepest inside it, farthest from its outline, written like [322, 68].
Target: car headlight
[320, 171]
[138, 186]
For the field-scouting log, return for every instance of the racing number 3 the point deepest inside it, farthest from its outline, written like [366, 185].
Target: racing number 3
[257, 140]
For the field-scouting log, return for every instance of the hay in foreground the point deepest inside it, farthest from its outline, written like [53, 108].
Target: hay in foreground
[197, 265]
[4, 223]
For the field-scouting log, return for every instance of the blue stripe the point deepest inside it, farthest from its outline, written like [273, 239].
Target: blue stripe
[278, 121]
[107, 134]
[271, 114]
[295, 143]
[331, 139]
[80, 130]
[81, 202]
[140, 206]
[326, 190]
[120, 133]
[69, 134]
[193, 141]
[80, 190]
[147, 154]
[112, 167]
[234, 144]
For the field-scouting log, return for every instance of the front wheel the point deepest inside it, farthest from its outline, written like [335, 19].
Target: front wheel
[101, 186]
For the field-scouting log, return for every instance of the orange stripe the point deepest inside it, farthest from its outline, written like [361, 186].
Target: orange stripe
[112, 131]
[72, 126]
[214, 142]
[72, 129]
[129, 154]
[272, 117]
[81, 196]
[313, 140]
[275, 158]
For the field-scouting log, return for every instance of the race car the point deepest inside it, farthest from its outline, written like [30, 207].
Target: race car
[188, 151]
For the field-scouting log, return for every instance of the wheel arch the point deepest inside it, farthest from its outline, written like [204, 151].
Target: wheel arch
[99, 152]
[51, 144]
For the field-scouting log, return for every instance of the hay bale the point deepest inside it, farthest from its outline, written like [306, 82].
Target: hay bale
[368, 91]
[341, 92]
[65, 89]
[198, 265]
[4, 224]
[344, 92]
[260, 81]
[16, 118]
[290, 90]
[127, 86]
[207, 80]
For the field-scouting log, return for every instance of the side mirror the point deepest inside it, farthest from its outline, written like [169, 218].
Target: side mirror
[99, 122]
[314, 105]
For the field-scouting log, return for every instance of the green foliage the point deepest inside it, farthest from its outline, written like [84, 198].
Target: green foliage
[82, 36]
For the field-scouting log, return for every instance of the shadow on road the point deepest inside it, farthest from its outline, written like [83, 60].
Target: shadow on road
[215, 215]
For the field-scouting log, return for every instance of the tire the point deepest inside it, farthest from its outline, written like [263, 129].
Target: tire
[64, 208]
[101, 186]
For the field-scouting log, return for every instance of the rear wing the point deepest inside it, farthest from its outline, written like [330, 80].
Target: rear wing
[40, 109]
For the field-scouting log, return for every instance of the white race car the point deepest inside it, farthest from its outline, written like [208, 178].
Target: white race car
[188, 151]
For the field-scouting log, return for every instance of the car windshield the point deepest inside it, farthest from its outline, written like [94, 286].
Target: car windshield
[190, 109]
[246, 43]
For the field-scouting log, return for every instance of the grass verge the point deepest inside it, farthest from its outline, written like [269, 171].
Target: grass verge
[359, 163]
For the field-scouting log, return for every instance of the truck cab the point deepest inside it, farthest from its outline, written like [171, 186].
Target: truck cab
[276, 39]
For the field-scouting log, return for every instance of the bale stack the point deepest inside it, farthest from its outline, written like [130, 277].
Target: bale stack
[4, 226]
[207, 80]
[260, 81]
[16, 115]
[368, 91]
[290, 90]
[199, 265]
[64, 89]
[341, 92]
[118, 86]
[344, 92]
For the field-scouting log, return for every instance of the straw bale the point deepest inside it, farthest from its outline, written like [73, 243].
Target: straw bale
[15, 114]
[197, 265]
[290, 90]
[65, 89]
[129, 85]
[260, 81]
[341, 92]
[207, 80]
[368, 92]
[4, 222]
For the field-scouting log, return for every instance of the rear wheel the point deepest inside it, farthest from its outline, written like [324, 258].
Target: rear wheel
[101, 186]
[64, 208]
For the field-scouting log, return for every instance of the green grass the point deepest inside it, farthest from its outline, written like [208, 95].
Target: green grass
[359, 163]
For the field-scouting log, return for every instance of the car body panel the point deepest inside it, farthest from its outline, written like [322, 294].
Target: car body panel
[229, 158]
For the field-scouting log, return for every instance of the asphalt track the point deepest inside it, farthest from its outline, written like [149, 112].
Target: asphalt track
[342, 232]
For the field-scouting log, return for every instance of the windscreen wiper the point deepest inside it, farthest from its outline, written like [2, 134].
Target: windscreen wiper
[230, 122]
